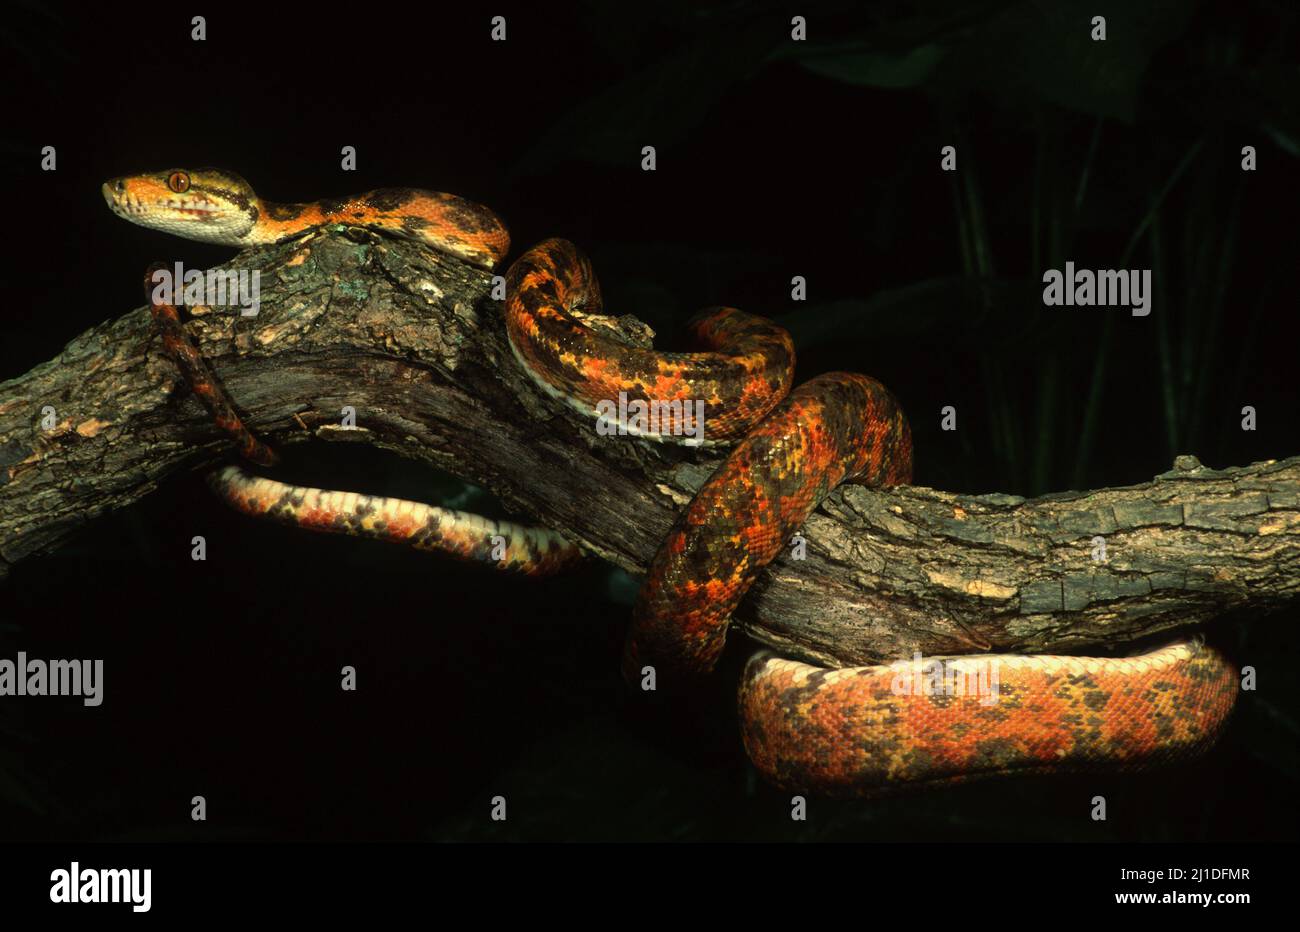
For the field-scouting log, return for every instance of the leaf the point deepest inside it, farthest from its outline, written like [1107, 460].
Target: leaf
[14, 785]
[919, 310]
[1284, 140]
[662, 103]
[1045, 50]
[1028, 51]
[854, 64]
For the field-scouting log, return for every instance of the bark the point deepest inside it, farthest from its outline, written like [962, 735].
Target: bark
[416, 344]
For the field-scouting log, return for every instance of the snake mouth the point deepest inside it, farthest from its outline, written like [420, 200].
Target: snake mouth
[129, 208]
[122, 202]
[198, 213]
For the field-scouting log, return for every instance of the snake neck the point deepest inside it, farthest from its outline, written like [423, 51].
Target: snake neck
[278, 222]
[443, 222]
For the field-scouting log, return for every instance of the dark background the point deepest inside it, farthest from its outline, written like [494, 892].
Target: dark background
[775, 159]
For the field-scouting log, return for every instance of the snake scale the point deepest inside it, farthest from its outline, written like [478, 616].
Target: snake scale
[849, 732]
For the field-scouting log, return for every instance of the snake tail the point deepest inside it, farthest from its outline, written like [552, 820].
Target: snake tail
[198, 375]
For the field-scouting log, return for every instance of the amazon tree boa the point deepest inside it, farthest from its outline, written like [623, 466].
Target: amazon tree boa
[840, 732]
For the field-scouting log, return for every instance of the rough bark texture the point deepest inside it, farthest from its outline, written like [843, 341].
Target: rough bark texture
[416, 344]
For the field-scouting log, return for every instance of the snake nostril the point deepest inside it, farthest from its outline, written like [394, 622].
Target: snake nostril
[119, 186]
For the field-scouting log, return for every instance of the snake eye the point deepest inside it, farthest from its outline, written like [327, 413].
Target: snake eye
[178, 182]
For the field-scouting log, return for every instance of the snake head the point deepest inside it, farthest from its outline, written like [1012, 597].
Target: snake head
[210, 205]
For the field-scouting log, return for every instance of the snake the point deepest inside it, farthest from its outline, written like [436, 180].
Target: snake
[855, 731]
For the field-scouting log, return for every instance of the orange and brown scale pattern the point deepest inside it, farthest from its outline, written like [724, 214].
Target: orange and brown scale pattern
[864, 730]
[833, 428]
[746, 367]
[532, 551]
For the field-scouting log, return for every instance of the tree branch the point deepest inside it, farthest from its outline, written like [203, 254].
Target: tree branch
[415, 343]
